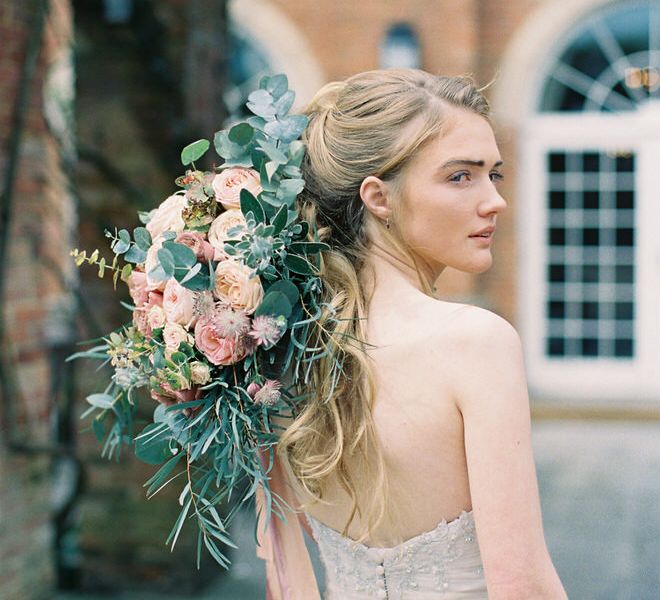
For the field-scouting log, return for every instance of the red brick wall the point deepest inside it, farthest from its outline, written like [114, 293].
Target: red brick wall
[456, 37]
[37, 256]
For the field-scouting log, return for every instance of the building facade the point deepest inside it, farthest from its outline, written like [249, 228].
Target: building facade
[575, 91]
[574, 88]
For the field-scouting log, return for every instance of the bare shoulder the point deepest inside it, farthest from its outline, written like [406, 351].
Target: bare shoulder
[473, 328]
[479, 349]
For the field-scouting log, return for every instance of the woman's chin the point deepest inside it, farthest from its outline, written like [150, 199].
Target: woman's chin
[477, 266]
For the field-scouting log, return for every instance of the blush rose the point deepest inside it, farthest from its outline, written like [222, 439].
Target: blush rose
[218, 232]
[168, 216]
[218, 350]
[179, 304]
[228, 185]
[138, 287]
[236, 287]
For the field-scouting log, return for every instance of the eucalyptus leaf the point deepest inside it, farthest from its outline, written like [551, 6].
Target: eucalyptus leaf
[166, 261]
[277, 85]
[287, 129]
[273, 152]
[272, 199]
[158, 273]
[194, 151]
[260, 102]
[289, 189]
[241, 161]
[200, 281]
[271, 168]
[284, 102]
[257, 122]
[226, 148]
[191, 273]
[241, 134]
[268, 183]
[274, 303]
[135, 255]
[290, 290]
[142, 238]
[292, 171]
[296, 153]
[120, 246]
[182, 255]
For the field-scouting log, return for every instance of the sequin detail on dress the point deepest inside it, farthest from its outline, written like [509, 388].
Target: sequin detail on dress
[443, 564]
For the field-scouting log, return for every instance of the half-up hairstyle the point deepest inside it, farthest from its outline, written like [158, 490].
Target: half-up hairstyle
[371, 124]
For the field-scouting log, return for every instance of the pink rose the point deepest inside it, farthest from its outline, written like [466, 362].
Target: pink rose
[174, 334]
[168, 216]
[179, 304]
[156, 317]
[143, 318]
[218, 232]
[197, 243]
[218, 350]
[228, 185]
[138, 287]
[236, 287]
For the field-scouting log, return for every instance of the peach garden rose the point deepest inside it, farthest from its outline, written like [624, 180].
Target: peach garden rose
[218, 232]
[174, 334]
[168, 216]
[236, 287]
[228, 184]
[179, 303]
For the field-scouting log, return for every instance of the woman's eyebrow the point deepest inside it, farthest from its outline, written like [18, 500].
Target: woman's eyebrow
[466, 161]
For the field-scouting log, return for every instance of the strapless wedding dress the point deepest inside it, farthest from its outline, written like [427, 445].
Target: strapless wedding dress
[443, 564]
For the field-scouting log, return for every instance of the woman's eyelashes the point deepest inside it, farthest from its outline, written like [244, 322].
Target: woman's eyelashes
[460, 177]
[465, 176]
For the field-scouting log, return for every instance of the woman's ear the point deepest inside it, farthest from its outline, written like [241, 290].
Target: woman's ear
[376, 196]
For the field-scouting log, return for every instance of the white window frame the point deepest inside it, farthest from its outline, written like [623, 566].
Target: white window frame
[596, 380]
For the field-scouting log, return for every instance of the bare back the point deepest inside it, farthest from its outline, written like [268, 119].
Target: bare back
[417, 420]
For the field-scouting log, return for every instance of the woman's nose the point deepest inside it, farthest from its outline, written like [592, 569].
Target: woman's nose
[495, 203]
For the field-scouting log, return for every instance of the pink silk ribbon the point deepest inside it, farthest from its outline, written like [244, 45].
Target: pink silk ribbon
[289, 572]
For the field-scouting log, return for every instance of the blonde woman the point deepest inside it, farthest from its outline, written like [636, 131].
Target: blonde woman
[415, 469]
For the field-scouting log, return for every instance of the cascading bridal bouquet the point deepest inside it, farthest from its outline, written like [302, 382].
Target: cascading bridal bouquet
[224, 280]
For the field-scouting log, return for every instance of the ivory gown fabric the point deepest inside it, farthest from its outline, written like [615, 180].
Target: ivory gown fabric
[443, 564]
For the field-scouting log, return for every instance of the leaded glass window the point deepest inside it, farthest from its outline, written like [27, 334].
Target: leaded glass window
[590, 270]
[610, 63]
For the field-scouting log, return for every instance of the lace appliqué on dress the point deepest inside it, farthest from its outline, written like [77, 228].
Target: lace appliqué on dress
[441, 564]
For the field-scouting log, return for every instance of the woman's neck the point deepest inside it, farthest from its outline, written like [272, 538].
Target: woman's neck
[387, 270]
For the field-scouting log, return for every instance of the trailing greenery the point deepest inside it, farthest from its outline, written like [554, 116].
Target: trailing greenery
[213, 431]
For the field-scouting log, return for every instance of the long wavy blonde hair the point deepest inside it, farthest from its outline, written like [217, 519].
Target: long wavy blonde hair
[370, 124]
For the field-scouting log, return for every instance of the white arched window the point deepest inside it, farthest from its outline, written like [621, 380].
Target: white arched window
[590, 211]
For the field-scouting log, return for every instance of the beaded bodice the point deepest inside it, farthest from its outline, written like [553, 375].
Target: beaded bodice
[441, 564]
